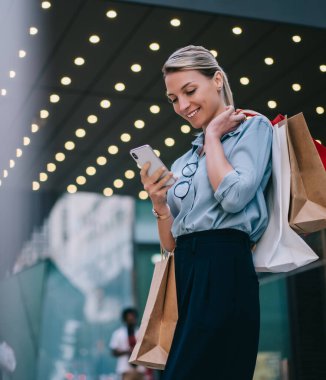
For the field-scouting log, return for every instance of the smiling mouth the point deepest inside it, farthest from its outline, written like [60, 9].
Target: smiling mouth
[193, 113]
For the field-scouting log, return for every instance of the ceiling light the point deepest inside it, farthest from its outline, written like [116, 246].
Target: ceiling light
[118, 183]
[129, 174]
[113, 149]
[94, 39]
[139, 124]
[92, 119]
[54, 98]
[34, 128]
[51, 167]
[65, 81]
[154, 46]
[33, 30]
[244, 80]
[136, 67]
[319, 141]
[185, 128]
[105, 103]
[143, 195]
[19, 152]
[169, 141]
[320, 110]
[80, 132]
[214, 52]
[35, 186]
[272, 104]
[296, 39]
[175, 22]
[111, 13]
[154, 108]
[72, 189]
[296, 87]
[119, 86]
[46, 4]
[125, 137]
[81, 180]
[237, 30]
[43, 177]
[12, 74]
[3, 92]
[60, 156]
[44, 114]
[269, 60]
[70, 145]
[21, 53]
[108, 191]
[5, 173]
[101, 160]
[91, 170]
[322, 68]
[26, 141]
[79, 61]
[157, 152]
[11, 164]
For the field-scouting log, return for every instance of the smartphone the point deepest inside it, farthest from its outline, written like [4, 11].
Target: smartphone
[144, 154]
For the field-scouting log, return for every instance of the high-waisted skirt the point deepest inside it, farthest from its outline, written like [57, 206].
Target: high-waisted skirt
[217, 333]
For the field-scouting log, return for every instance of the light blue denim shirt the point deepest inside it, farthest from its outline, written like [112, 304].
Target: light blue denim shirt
[239, 200]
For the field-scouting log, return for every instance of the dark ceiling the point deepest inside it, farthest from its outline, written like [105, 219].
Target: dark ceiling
[63, 34]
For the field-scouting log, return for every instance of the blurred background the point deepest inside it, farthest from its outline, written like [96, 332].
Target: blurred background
[80, 85]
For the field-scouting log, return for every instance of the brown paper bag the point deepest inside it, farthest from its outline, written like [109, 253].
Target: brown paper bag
[307, 211]
[159, 320]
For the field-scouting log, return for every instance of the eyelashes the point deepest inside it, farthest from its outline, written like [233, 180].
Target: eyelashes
[188, 93]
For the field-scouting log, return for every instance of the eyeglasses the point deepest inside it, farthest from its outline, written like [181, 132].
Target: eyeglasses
[182, 188]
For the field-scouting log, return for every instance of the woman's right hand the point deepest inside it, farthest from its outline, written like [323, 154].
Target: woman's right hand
[156, 187]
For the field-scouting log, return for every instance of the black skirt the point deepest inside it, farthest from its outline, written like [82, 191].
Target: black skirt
[217, 333]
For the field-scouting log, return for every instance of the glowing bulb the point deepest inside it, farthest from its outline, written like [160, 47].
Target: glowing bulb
[60, 156]
[136, 68]
[125, 137]
[108, 191]
[296, 39]
[34, 128]
[237, 30]
[81, 180]
[80, 132]
[26, 141]
[33, 30]
[120, 86]
[44, 114]
[269, 61]
[272, 104]
[244, 80]
[139, 124]
[320, 110]
[46, 4]
[72, 189]
[79, 61]
[296, 87]
[143, 195]
[169, 141]
[185, 128]
[12, 74]
[154, 46]
[101, 160]
[92, 119]
[129, 174]
[111, 13]
[94, 39]
[19, 152]
[214, 52]
[175, 22]
[35, 186]
[43, 177]
[51, 167]
[105, 103]
[70, 145]
[5, 173]
[118, 183]
[113, 149]
[3, 92]
[322, 68]
[157, 152]
[154, 109]
[22, 53]
[91, 170]
[11, 164]
[65, 81]
[54, 98]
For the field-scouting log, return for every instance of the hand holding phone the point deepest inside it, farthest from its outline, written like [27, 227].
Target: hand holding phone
[145, 154]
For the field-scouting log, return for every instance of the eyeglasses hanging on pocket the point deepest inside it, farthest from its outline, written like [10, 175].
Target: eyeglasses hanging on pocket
[182, 188]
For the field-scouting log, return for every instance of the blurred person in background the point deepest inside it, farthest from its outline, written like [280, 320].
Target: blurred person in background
[122, 343]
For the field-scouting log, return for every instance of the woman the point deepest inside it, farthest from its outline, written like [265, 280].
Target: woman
[211, 217]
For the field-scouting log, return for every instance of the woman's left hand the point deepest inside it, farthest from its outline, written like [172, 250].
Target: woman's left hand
[227, 121]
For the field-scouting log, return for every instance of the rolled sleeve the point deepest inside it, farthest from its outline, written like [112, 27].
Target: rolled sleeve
[249, 160]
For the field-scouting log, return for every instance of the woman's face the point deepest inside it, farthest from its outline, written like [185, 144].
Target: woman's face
[194, 96]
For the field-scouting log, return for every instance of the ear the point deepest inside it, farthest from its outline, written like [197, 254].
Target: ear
[218, 80]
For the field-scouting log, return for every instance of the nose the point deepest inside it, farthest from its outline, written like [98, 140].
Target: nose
[183, 103]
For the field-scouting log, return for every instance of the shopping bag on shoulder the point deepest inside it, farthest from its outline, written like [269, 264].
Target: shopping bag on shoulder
[280, 249]
[159, 319]
[308, 179]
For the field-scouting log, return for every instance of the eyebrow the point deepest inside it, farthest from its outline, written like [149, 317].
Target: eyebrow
[185, 85]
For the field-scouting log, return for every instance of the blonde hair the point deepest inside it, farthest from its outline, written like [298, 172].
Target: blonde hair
[198, 58]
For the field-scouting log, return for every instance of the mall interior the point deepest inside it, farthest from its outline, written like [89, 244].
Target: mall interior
[81, 85]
